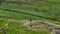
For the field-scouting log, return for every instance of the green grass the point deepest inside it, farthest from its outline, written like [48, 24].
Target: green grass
[44, 9]
[15, 27]
[41, 8]
[37, 0]
[53, 0]
[20, 16]
[15, 15]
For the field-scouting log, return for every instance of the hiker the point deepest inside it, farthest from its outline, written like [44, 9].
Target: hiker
[30, 23]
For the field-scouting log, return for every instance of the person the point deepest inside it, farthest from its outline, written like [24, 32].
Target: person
[30, 23]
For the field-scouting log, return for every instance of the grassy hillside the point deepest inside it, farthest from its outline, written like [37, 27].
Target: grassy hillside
[16, 12]
[15, 27]
[15, 15]
[15, 21]
[23, 16]
[40, 8]
[53, 0]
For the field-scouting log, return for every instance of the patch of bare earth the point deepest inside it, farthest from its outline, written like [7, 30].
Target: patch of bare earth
[35, 27]
[38, 25]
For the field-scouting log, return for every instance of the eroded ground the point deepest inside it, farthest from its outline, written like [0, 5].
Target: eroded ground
[38, 25]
